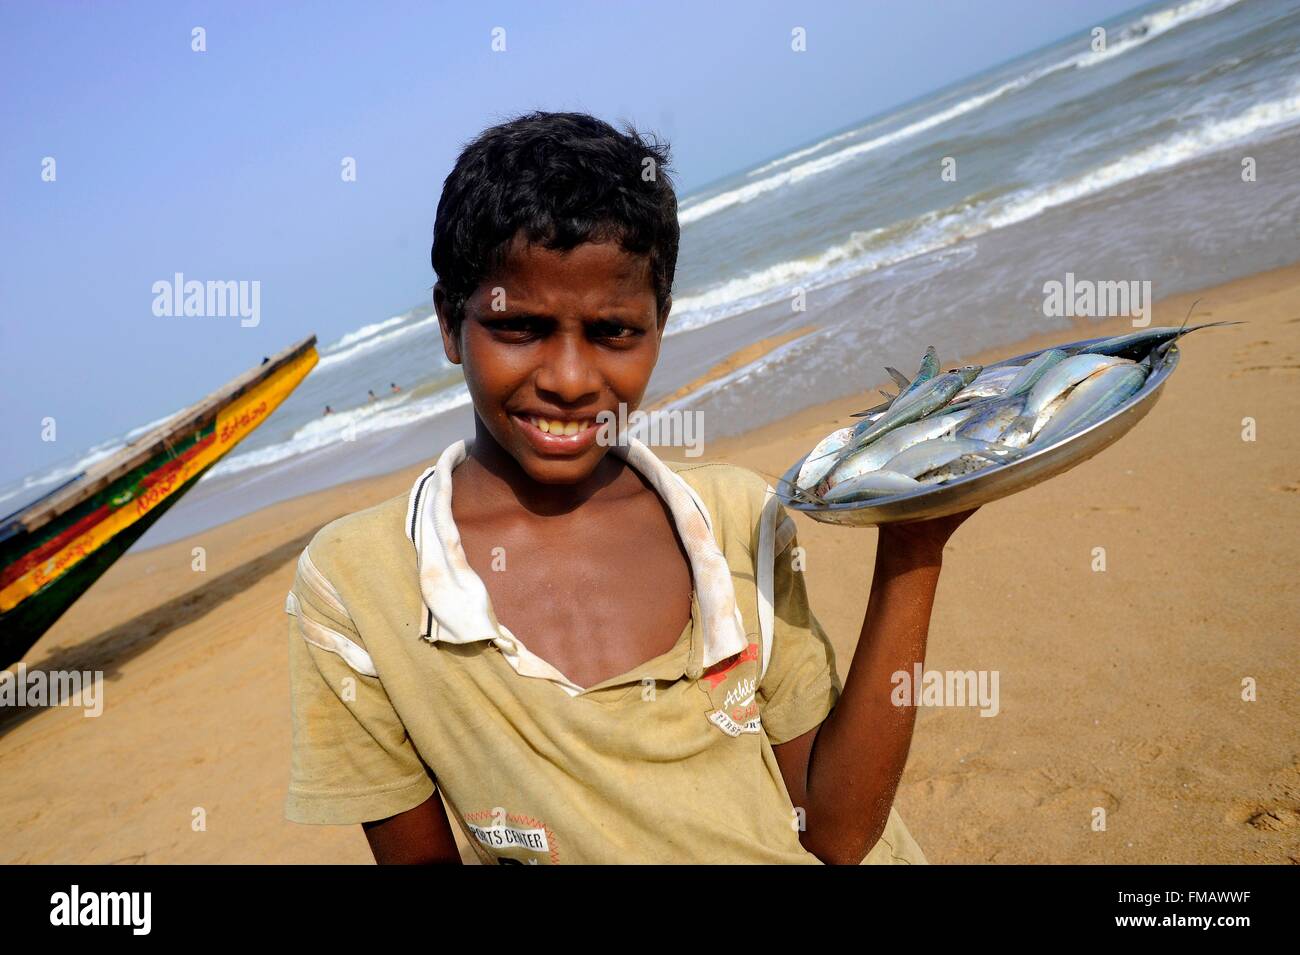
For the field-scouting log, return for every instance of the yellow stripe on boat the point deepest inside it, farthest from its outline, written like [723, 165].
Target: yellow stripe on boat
[234, 422]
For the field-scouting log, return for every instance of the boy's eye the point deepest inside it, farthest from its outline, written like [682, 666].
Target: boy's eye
[610, 328]
[514, 326]
[526, 326]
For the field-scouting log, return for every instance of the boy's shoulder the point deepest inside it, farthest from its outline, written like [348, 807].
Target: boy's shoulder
[375, 536]
[730, 491]
[719, 475]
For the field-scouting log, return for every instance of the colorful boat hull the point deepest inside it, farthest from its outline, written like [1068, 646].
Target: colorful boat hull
[54, 549]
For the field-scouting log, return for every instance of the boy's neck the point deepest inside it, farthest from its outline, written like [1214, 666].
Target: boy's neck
[494, 479]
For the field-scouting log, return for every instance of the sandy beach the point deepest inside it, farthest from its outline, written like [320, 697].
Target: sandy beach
[1120, 689]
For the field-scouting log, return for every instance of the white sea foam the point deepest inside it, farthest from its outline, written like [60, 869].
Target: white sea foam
[815, 167]
[745, 372]
[34, 485]
[365, 331]
[864, 252]
[332, 429]
[1151, 26]
[372, 342]
[1205, 139]
[1136, 34]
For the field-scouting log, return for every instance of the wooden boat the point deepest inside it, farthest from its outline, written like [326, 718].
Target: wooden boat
[54, 548]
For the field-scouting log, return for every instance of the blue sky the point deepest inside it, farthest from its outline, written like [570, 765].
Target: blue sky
[226, 164]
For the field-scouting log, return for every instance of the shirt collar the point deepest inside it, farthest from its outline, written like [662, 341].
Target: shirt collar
[457, 608]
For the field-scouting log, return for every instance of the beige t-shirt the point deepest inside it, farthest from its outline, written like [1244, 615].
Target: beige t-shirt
[403, 682]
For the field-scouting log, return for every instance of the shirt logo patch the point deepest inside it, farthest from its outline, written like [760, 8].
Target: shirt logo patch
[513, 838]
[731, 686]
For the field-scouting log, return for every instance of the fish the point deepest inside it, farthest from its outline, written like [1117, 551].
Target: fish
[1065, 375]
[900, 379]
[821, 459]
[928, 398]
[933, 453]
[990, 419]
[991, 383]
[1136, 344]
[1019, 433]
[1091, 400]
[958, 467]
[872, 457]
[873, 484]
[929, 368]
[1030, 373]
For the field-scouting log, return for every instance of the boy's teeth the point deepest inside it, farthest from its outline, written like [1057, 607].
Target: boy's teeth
[558, 427]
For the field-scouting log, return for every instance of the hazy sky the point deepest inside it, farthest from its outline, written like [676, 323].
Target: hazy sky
[225, 164]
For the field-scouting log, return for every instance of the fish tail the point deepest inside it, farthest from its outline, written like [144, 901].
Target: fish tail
[794, 490]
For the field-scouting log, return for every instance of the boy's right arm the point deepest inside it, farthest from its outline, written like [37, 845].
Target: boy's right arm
[353, 761]
[419, 836]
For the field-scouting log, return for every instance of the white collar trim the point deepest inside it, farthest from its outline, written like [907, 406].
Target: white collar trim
[457, 607]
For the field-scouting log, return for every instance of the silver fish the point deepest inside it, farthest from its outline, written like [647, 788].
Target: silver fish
[862, 460]
[1136, 344]
[990, 419]
[990, 383]
[934, 453]
[871, 485]
[929, 368]
[1064, 376]
[1031, 373]
[1019, 432]
[1091, 400]
[930, 397]
[821, 459]
[958, 467]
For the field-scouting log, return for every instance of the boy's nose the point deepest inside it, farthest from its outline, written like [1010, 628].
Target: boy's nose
[568, 370]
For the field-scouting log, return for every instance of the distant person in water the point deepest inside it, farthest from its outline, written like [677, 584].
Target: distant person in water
[392, 386]
[328, 410]
[371, 393]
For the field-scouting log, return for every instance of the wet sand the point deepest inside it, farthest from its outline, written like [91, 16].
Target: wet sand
[1119, 690]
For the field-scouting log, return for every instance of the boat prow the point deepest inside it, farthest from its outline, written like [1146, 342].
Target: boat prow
[54, 548]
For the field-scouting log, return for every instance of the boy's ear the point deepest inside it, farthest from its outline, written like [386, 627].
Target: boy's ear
[450, 339]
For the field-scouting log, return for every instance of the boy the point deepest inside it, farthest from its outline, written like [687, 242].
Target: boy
[561, 637]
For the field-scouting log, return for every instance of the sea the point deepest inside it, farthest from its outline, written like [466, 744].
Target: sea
[1169, 154]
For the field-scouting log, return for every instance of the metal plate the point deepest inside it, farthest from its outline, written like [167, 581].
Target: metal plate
[981, 487]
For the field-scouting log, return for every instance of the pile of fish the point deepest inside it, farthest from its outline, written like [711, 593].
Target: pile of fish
[941, 426]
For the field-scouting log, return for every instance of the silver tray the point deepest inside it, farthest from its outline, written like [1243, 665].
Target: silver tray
[981, 487]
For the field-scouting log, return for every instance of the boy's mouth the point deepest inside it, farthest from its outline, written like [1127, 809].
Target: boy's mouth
[564, 436]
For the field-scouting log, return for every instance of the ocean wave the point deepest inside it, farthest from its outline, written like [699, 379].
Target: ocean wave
[34, 485]
[1209, 137]
[816, 167]
[747, 371]
[333, 429]
[1132, 36]
[1149, 27]
[365, 331]
[813, 149]
[372, 342]
[938, 230]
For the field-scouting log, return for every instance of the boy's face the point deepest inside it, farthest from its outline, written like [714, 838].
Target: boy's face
[551, 340]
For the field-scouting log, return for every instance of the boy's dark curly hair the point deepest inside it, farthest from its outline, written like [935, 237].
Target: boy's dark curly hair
[563, 179]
